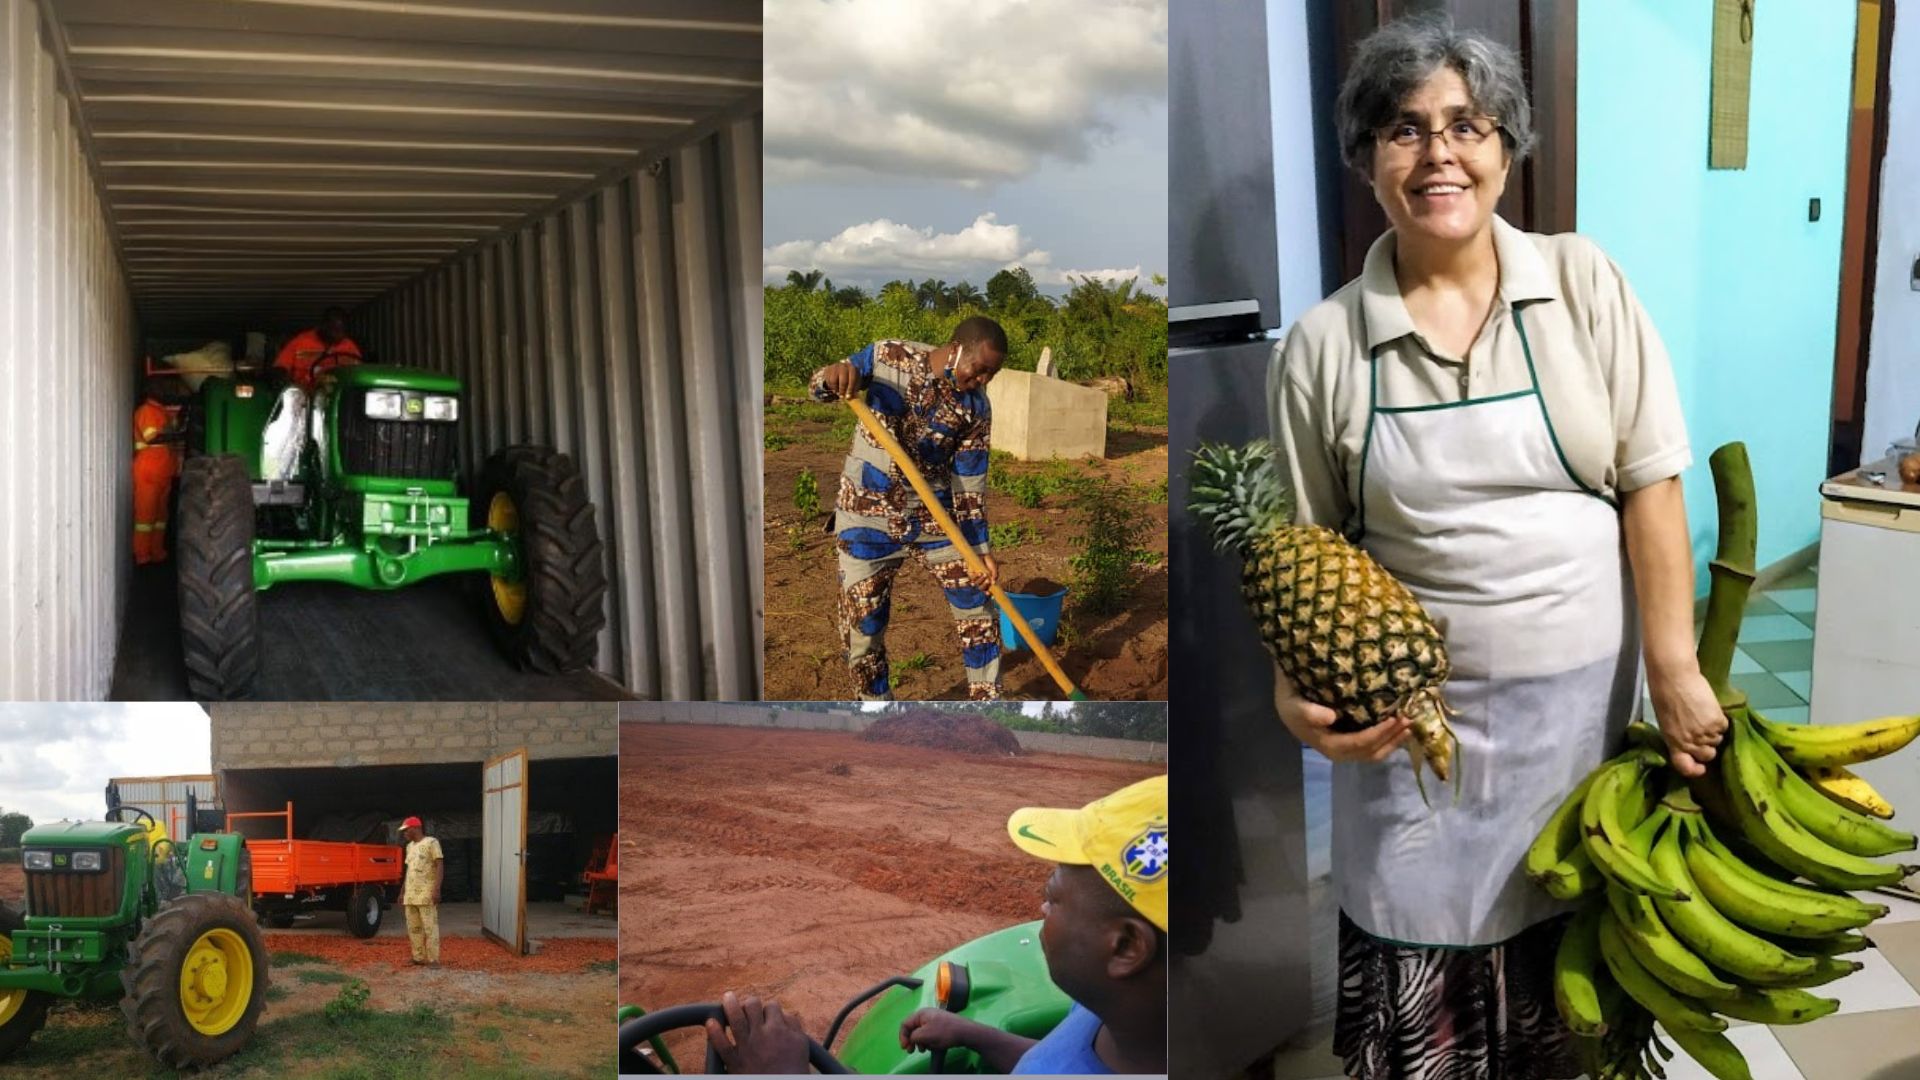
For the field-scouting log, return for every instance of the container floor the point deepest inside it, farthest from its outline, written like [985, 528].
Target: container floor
[327, 643]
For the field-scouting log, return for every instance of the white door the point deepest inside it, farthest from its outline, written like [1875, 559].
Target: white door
[503, 859]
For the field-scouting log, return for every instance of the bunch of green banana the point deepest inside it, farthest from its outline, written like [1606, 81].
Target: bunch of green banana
[1676, 925]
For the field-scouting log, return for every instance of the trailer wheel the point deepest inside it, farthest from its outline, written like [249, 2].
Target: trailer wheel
[550, 619]
[22, 1012]
[365, 908]
[195, 981]
[219, 609]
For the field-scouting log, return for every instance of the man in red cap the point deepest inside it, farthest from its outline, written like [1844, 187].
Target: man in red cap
[426, 869]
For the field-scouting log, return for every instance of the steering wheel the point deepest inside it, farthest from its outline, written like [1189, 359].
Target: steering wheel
[637, 1031]
[332, 359]
[143, 815]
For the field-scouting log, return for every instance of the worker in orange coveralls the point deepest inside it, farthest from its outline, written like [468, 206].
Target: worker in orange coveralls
[298, 356]
[153, 472]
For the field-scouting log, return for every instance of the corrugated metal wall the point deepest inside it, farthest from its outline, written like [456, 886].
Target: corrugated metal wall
[66, 390]
[624, 329]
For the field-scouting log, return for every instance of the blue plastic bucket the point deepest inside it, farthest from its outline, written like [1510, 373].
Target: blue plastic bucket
[1041, 612]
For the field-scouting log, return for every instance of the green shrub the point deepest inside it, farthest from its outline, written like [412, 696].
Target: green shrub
[350, 1005]
[806, 494]
[1110, 546]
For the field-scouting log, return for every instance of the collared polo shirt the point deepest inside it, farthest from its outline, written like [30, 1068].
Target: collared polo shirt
[1604, 375]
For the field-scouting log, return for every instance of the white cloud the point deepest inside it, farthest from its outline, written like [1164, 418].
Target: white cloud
[973, 93]
[56, 759]
[878, 251]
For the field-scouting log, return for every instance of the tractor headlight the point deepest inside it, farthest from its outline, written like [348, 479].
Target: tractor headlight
[87, 860]
[385, 404]
[39, 860]
[440, 407]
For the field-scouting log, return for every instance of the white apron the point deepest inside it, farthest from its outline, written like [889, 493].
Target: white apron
[1523, 568]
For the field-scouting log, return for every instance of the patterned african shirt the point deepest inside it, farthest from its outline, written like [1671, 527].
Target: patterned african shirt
[944, 430]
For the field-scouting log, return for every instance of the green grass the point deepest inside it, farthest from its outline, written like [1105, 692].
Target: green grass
[488, 1034]
[376, 1045]
[278, 992]
[602, 967]
[917, 662]
[326, 977]
[1148, 409]
[1011, 534]
[525, 1012]
[292, 959]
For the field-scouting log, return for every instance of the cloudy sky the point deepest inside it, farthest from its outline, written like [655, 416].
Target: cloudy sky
[55, 760]
[951, 140]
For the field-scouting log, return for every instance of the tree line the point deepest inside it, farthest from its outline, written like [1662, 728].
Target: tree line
[1097, 329]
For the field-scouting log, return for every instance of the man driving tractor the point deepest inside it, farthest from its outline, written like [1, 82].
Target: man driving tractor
[300, 353]
[1104, 934]
[934, 402]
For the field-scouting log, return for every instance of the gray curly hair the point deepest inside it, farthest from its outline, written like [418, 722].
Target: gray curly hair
[1393, 61]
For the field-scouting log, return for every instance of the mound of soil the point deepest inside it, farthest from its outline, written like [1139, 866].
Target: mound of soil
[1037, 586]
[964, 732]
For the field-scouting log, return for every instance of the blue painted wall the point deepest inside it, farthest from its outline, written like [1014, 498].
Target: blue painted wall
[1741, 285]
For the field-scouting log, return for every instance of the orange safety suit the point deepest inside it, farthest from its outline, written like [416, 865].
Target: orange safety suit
[153, 472]
[298, 355]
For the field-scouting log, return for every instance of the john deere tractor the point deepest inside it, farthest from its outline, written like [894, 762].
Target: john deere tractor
[999, 980]
[117, 910]
[359, 484]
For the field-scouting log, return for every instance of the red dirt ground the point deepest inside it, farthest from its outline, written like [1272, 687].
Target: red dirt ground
[1120, 658]
[808, 866]
[13, 883]
[557, 956]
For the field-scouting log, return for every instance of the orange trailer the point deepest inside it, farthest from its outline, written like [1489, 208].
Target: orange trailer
[291, 877]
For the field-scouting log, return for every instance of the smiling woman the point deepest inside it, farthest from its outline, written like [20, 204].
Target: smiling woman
[1507, 391]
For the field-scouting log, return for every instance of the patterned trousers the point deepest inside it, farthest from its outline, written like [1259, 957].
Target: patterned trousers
[869, 560]
[423, 932]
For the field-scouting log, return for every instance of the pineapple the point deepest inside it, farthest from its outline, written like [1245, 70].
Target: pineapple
[1349, 635]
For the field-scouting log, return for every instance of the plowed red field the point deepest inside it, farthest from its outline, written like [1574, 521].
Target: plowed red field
[808, 866]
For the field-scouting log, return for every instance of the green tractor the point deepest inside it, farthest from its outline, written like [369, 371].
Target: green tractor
[999, 980]
[117, 910]
[358, 484]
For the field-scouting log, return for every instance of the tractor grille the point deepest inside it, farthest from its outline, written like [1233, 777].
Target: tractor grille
[400, 449]
[69, 894]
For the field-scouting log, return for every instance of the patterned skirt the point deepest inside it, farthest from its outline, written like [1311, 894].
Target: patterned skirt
[1411, 1013]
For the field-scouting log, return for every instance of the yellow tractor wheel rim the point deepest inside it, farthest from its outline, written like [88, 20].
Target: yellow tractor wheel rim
[12, 1000]
[216, 982]
[509, 597]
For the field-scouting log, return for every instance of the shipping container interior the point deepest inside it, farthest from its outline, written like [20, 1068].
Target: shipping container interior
[557, 202]
[571, 809]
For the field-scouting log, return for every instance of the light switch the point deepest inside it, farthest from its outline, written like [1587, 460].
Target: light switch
[1914, 282]
[1813, 209]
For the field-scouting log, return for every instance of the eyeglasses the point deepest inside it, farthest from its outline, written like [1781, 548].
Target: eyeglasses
[1464, 134]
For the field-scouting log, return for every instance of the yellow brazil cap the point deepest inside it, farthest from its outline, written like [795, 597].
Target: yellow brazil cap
[1123, 836]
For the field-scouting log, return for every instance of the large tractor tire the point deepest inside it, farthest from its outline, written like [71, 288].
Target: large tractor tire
[550, 619]
[22, 1012]
[219, 609]
[365, 908]
[196, 981]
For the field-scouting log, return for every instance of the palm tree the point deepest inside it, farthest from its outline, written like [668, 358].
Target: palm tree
[930, 293]
[806, 282]
[964, 294]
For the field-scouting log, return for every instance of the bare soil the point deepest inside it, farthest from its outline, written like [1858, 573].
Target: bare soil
[807, 866]
[1118, 658]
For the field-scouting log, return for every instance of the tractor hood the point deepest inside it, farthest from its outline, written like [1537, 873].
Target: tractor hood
[394, 377]
[80, 834]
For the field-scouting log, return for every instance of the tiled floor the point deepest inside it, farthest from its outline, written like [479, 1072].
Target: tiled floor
[1876, 1033]
[1774, 662]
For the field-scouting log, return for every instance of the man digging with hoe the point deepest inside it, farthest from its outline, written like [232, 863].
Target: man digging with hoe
[933, 401]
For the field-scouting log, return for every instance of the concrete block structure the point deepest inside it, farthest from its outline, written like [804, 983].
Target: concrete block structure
[1037, 418]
